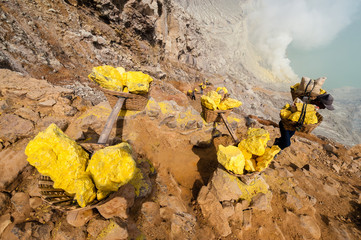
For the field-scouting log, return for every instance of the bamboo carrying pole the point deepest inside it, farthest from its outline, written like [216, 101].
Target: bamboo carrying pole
[229, 128]
[110, 121]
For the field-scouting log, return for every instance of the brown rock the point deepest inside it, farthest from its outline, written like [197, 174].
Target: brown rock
[47, 103]
[310, 225]
[115, 232]
[35, 202]
[247, 219]
[261, 202]
[20, 200]
[330, 190]
[4, 201]
[28, 114]
[115, 207]
[182, 226]
[5, 220]
[212, 210]
[79, 218]
[13, 127]
[292, 202]
[95, 226]
[12, 162]
[151, 213]
[60, 122]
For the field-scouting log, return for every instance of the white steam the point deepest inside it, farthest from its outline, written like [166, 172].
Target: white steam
[274, 24]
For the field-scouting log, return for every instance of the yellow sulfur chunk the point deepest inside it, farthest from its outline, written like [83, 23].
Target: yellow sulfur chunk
[231, 158]
[309, 107]
[107, 77]
[55, 155]
[137, 82]
[125, 89]
[223, 89]
[285, 113]
[247, 155]
[296, 86]
[229, 103]
[287, 106]
[111, 167]
[322, 91]
[256, 141]
[264, 160]
[208, 102]
[121, 70]
[310, 118]
[250, 165]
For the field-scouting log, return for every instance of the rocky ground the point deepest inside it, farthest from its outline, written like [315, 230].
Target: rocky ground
[310, 191]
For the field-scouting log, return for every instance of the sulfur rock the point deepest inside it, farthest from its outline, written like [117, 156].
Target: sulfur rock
[264, 160]
[231, 158]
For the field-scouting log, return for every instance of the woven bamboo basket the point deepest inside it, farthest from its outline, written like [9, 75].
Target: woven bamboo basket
[58, 198]
[135, 102]
[212, 115]
[295, 94]
[306, 128]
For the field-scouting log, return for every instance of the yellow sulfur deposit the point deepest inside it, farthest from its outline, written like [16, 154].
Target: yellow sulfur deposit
[310, 118]
[264, 160]
[212, 100]
[117, 78]
[256, 141]
[250, 165]
[309, 107]
[231, 158]
[137, 82]
[107, 77]
[285, 113]
[229, 103]
[222, 89]
[56, 155]
[111, 167]
[297, 85]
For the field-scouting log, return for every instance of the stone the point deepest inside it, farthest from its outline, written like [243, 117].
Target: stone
[171, 124]
[247, 219]
[5, 220]
[310, 225]
[66, 231]
[60, 122]
[292, 202]
[12, 163]
[116, 207]
[47, 103]
[261, 202]
[329, 148]
[174, 203]
[35, 202]
[95, 226]
[300, 192]
[192, 124]
[228, 208]
[183, 226]
[4, 201]
[199, 124]
[20, 201]
[113, 231]
[79, 218]
[212, 211]
[283, 172]
[27, 113]
[35, 95]
[13, 127]
[337, 168]
[330, 190]
[166, 213]
[153, 113]
[237, 218]
[151, 213]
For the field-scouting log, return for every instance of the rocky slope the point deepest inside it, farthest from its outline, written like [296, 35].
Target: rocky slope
[55, 44]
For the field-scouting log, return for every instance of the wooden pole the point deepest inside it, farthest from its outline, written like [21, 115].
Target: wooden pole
[110, 121]
[229, 128]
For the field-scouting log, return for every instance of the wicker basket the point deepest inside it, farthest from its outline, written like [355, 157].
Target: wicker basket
[135, 102]
[306, 128]
[296, 94]
[58, 198]
[212, 115]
